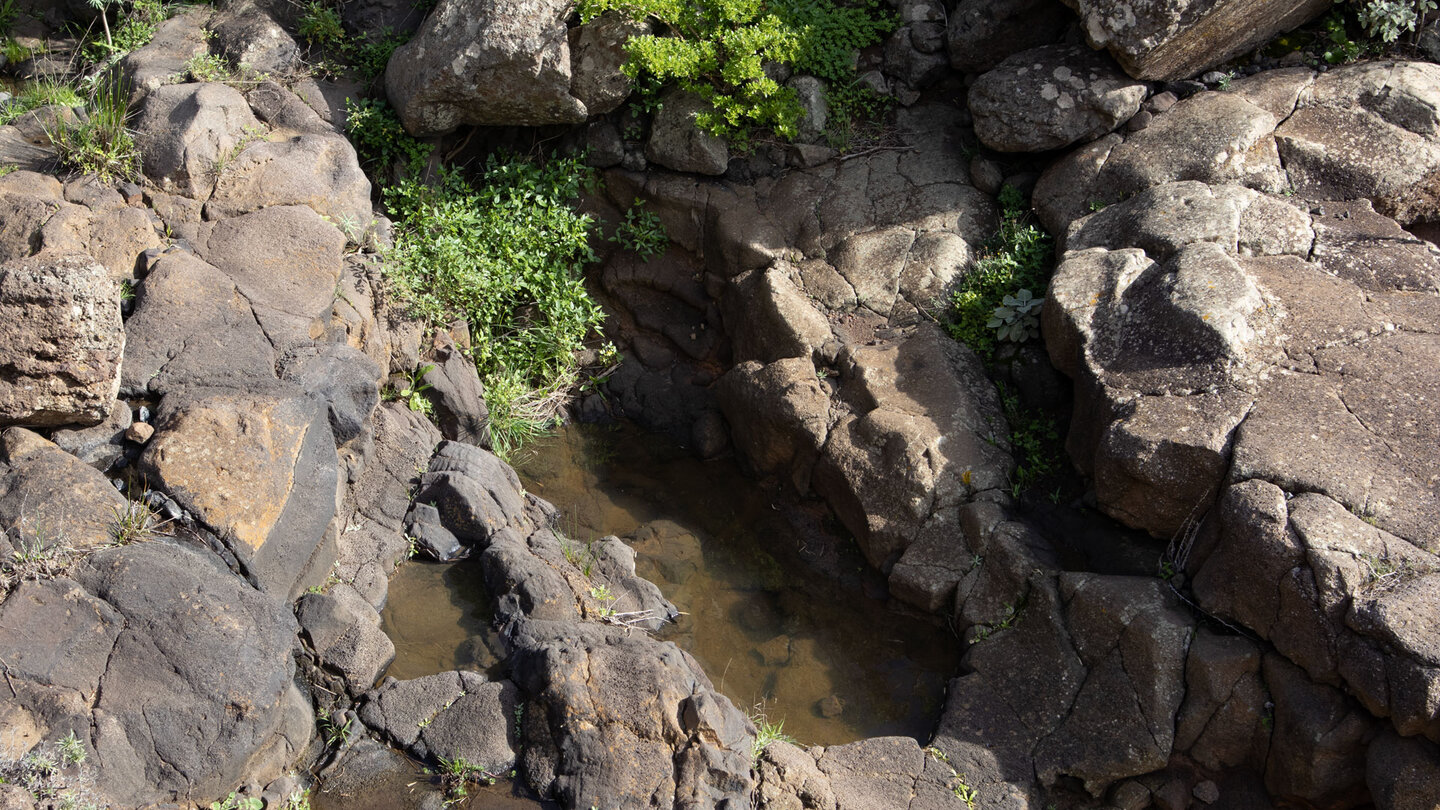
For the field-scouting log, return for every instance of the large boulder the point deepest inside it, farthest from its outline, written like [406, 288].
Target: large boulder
[258, 469]
[982, 33]
[161, 61]
[1051, 97]
[187, 132]
[198, 692]
[1168, 41]
[61, 340]
[54, 500]
[485, 62]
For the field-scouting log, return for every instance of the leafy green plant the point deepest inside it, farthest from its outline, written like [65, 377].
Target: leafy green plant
[1034, 441]
[235, 802]
[1017, 318]
[298, 800]
[642, 232]
[56, 775]
[601, 593]
[412, 392]
[380, 139]
[207, 67]
[506, 255]
[1386, 20]
[766, 732]
[964, 792]
[370, 55]
[8, 12]
[718, 49]
[1020, 256]
[36, 94]
[320, 25]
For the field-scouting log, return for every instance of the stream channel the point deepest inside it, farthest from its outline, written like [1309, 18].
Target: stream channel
[781, 611]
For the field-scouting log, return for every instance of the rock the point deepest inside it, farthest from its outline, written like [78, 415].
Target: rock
[982, 33]
[922, 410]
[344, 631]
[1368, 130]
[192, 326]
[1222, 720]
[1373, 251]
[62, 340]
[185, 133]
[789, 778]
[1212, 137]
[157, 64]
[290, 306]
[597, 50]
[815, 111]
[485, 62]
[913, 59]
[249, 37]
[986, 175]
[236, 461]
[771, 319]
[644, 723]
[316, 170]
[208, 654]
[475, 493]
[1121, 724]
[1403, 773]
[1317, 753]
[1177, 40]
[459, 397]
[283, 110]
[98, 446]
[779, 414]
[378, 17]
[139, 432]
[344, 379]
[1050, 97]
[677, 142]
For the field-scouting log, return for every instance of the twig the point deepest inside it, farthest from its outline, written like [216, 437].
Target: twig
[872, 150]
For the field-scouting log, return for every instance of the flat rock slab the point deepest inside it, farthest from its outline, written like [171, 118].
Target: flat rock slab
[258, 469]
[449, 716]
[61, 340]
[320, 171]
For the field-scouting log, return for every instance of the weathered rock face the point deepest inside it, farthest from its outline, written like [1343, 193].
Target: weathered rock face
[186, 132]
[62, 340]
[176, 41]
[259, 469]
[316, 170]
[1051, 97]
[1167, 41]
[449, 716]
[52, 499]
[486, 62]
[197, 692]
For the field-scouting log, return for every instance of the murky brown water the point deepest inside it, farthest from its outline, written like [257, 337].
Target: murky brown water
[784, 618]
[772, 630]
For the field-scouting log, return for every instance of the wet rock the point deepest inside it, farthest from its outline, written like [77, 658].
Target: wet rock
[62, 340]
[208, 654]
[260, 470]
[186, 132]
[982, 33]
[1051, 97]
[485, 62]
[316, 170]
[676, 142]
[344, 631]
[192, 326]
[1177, 40]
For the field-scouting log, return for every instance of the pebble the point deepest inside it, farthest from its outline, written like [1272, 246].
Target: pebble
[142, 414]
[1138, 121]
[830, 706]
[139, 432]
[1207, 792]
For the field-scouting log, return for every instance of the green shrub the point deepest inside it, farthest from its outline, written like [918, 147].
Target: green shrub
[319, 24]
[718, 49]
[642, 232]
[1019, 257]
[506, 255]
[1386, 20]
[380, 139]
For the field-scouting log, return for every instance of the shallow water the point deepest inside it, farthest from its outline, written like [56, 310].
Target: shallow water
[782, 613]
[439, 617]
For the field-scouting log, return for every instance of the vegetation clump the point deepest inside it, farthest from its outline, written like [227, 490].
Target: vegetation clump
[1018, 259]
[719, 50]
